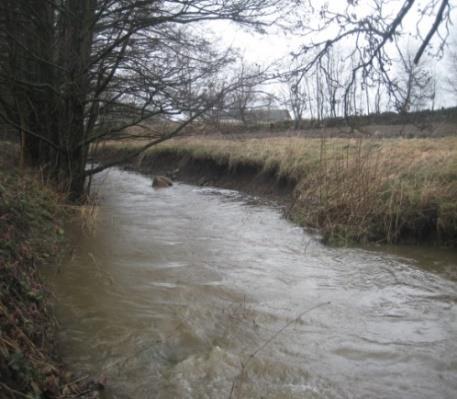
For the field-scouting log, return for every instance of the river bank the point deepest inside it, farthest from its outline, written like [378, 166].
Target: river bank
[352, 190]
[32, 237]
[178, 288]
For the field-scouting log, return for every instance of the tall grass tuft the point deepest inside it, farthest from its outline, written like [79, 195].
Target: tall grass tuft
[382, 190]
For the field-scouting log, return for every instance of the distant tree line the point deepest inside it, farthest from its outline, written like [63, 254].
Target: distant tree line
[68, 66]
[74, 72]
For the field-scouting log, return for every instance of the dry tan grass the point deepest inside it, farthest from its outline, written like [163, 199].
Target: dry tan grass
[359, 189]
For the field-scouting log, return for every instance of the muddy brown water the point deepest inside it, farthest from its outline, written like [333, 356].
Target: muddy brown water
[178, 287]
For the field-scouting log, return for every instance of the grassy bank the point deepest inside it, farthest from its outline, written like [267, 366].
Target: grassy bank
[391, 190]
[31, 235]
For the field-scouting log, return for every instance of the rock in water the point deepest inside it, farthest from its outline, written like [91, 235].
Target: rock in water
[161, 181]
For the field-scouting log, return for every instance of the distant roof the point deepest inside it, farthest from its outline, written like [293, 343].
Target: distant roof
[267, 115]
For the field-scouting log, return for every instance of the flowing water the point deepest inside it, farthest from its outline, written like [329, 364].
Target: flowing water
[192, 292]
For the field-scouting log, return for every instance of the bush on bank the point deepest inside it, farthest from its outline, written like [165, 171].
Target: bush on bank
[31, 235]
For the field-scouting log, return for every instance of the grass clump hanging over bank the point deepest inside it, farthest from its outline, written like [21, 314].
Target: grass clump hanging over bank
[31, 235]
[390, 191]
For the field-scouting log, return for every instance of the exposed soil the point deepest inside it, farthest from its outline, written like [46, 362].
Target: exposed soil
[248, 178]
[347, 206]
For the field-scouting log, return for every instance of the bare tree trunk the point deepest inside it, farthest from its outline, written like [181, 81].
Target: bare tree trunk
[76, 30]
[57, 77]
[377, 102]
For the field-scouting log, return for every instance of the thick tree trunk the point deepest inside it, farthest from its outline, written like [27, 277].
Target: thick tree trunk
[55, 109]
[32, 79]
[47, 58]
[76, 51]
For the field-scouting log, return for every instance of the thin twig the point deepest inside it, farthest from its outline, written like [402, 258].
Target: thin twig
[269, 340]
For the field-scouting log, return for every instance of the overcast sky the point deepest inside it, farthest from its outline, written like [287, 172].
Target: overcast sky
[267, 48]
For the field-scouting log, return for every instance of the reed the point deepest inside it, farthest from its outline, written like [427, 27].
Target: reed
[382, 190]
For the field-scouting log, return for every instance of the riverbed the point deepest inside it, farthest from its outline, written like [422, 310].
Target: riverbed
[192, 292]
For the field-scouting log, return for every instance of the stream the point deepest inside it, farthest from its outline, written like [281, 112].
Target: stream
[192, 292]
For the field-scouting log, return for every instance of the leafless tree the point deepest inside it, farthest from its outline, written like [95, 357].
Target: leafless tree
[295, 98]
[415, 88]
[378, 97]
[369, 29]
[332, 69]
[249, 78]
[69, 66]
